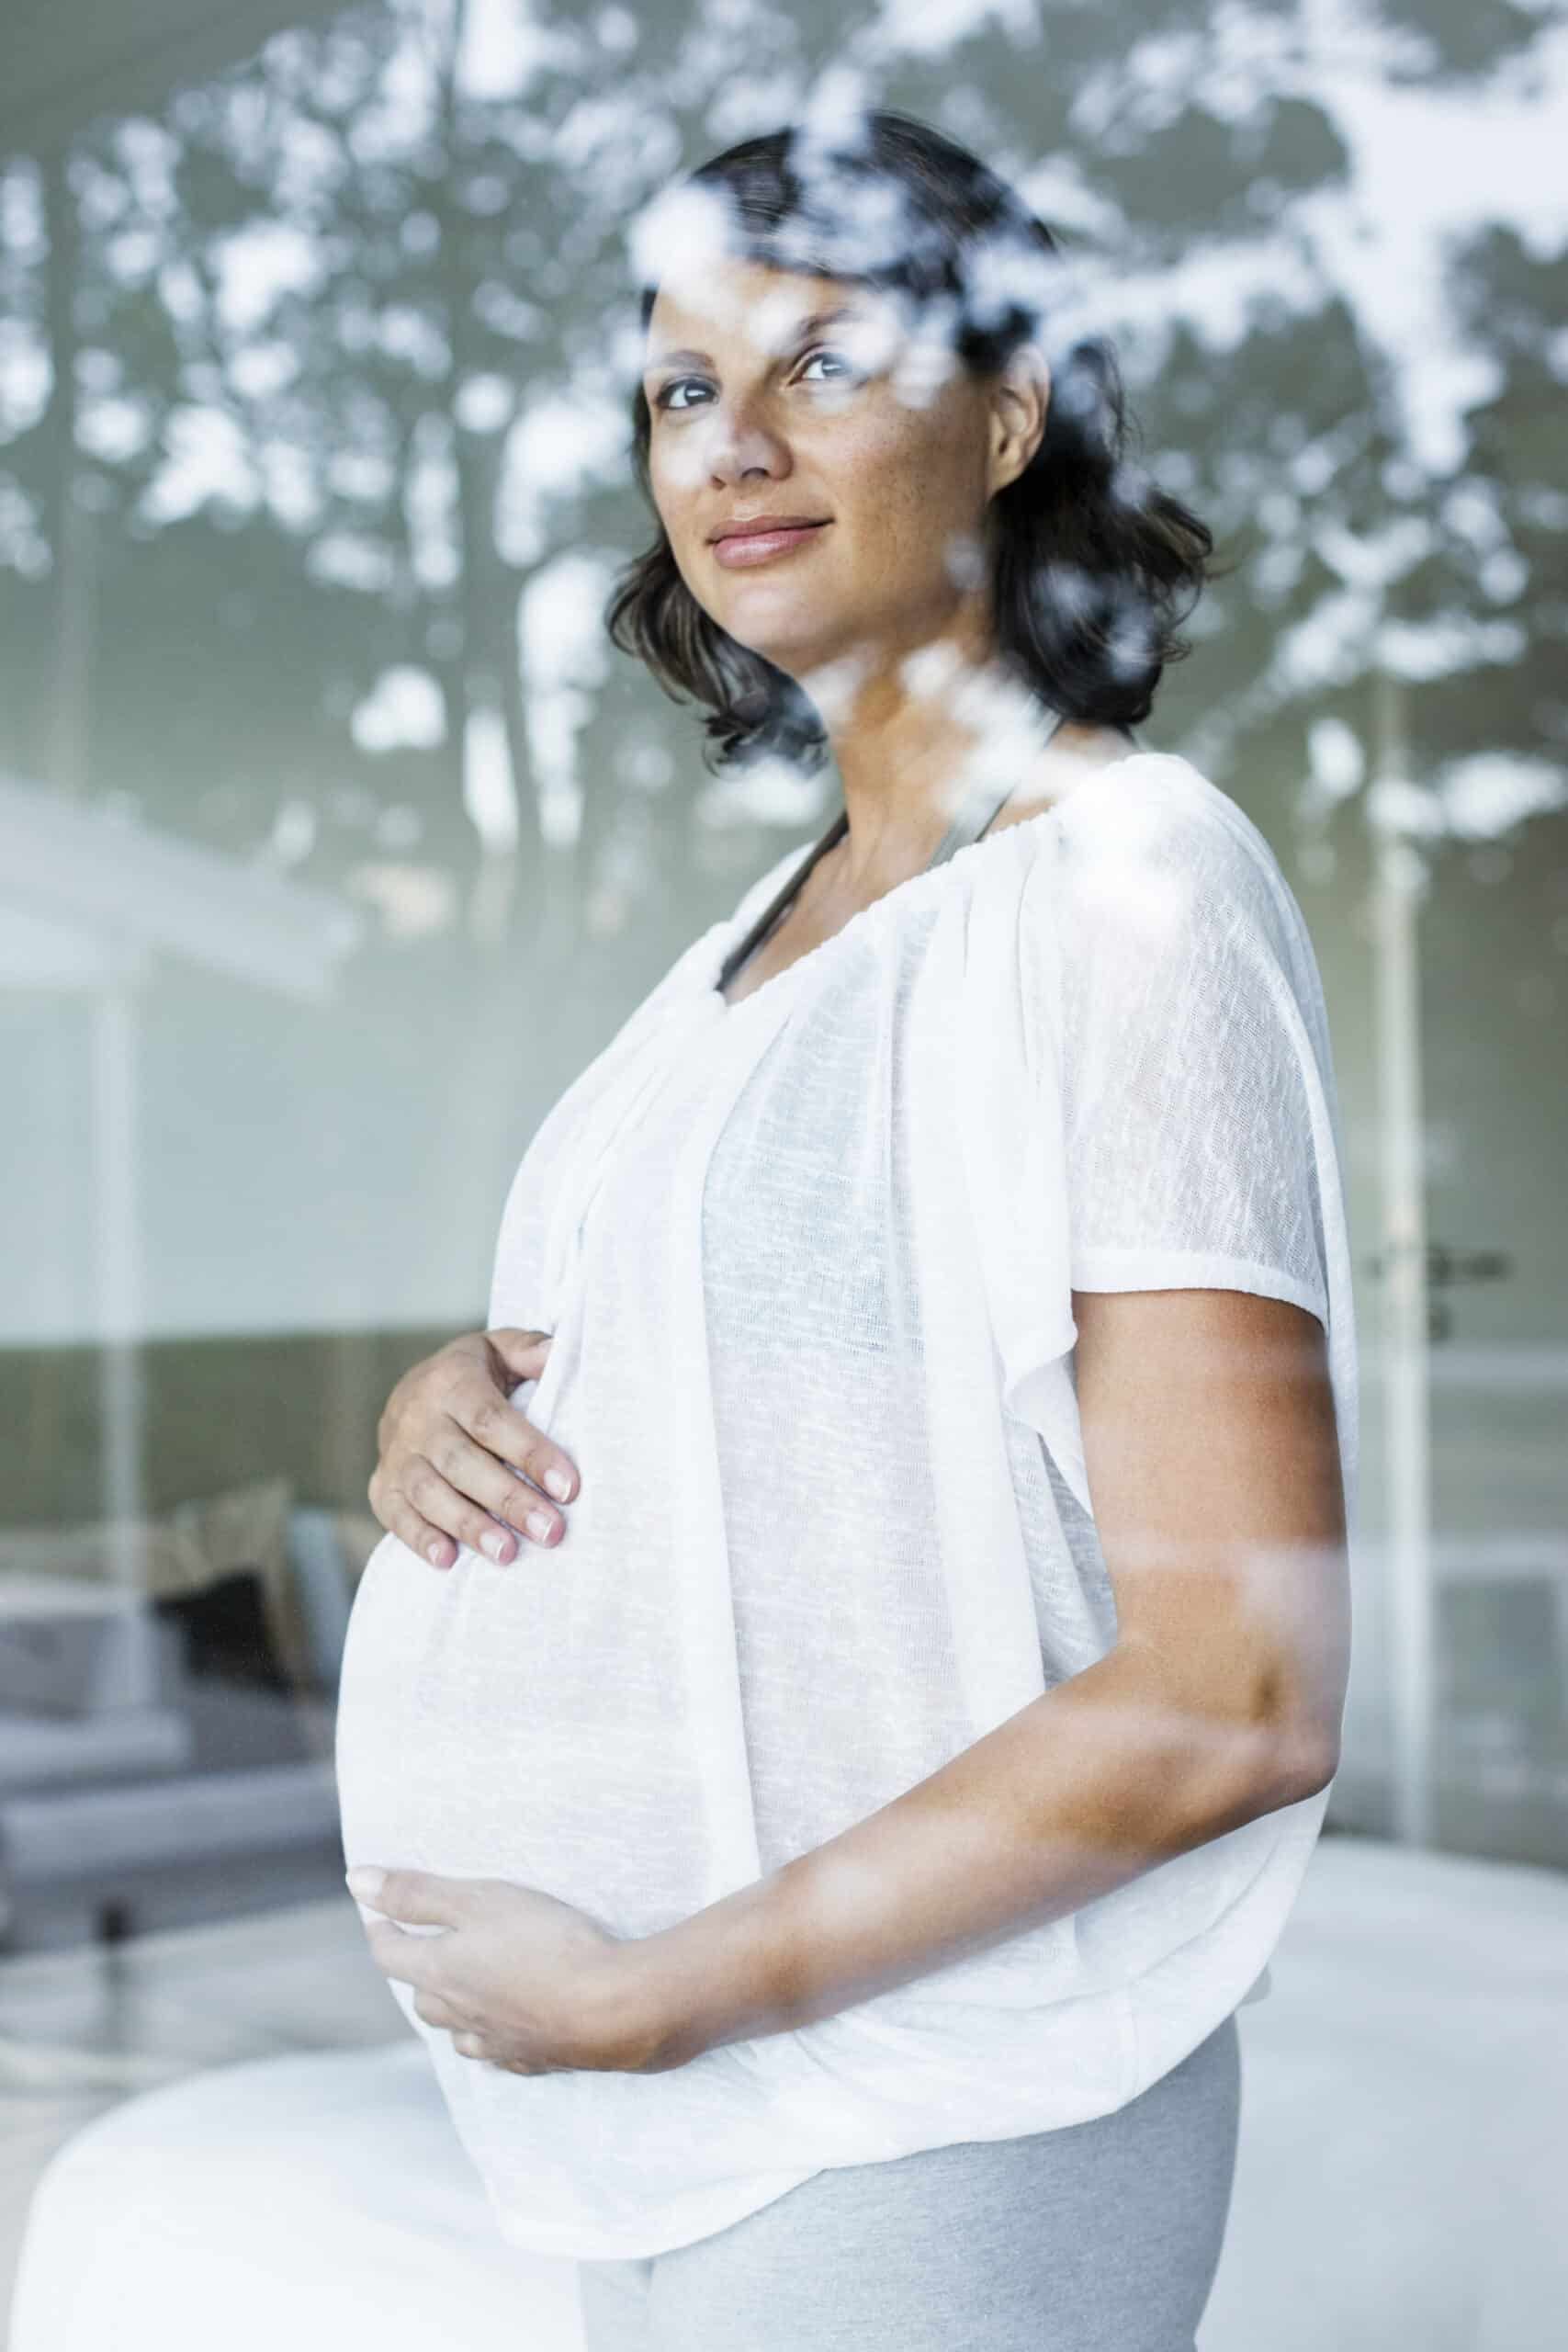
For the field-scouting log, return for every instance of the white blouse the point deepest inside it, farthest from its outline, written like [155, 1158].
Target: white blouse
[808, 1262]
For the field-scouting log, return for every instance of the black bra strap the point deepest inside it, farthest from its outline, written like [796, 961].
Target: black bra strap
[780, 901]
[982, 810]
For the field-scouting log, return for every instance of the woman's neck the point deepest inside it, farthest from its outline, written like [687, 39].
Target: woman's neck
[913, 747]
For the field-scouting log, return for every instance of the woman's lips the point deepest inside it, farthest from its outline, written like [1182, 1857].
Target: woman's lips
[761, 546]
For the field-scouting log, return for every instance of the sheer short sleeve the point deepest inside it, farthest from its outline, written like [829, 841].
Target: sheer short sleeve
[1173, 1122]
[1190, 1040]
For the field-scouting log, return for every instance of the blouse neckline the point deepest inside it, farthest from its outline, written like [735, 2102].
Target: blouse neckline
[929, 879]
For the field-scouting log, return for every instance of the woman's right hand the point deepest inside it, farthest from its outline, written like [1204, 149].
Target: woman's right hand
[453, 1451]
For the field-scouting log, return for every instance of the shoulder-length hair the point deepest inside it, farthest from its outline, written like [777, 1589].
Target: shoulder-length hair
[1093, 566]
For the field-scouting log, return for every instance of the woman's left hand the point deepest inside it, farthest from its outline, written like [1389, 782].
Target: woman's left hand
[522, 1980]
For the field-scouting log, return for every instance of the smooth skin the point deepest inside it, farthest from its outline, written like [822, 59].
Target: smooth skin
[453, 1450]
[1208, 1417]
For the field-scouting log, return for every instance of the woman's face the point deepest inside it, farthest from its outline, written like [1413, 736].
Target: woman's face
[760, 405]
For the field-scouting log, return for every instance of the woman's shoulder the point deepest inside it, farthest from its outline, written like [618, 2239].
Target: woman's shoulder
[1155, 804]
[1163, 891]
[1155, 823]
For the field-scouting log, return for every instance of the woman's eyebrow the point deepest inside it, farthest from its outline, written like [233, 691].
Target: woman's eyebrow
[803, 327]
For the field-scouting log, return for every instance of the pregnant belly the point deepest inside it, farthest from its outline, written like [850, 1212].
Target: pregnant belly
[525, 1723]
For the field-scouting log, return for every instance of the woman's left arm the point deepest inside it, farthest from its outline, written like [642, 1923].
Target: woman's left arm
[1212, 1460]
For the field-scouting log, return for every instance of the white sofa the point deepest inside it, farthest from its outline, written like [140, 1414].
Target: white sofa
[100, 1796]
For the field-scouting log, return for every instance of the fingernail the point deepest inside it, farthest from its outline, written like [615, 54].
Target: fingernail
[539, 1523]
[364, 1884]
[559, 1484]
[496, 1544]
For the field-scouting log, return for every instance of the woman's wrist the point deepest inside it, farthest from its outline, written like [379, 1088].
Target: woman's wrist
[631, 2025]
[663, 1999]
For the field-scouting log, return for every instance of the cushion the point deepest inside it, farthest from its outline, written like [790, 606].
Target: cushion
[183, 1553]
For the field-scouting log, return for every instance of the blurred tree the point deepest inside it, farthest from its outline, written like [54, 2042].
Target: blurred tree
[312, 380]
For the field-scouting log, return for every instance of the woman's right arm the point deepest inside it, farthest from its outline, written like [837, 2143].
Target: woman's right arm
[458, 1463]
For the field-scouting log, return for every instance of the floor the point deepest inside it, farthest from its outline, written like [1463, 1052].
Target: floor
[1405, 2115]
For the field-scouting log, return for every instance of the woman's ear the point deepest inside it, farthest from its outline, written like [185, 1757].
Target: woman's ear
[1019, 406]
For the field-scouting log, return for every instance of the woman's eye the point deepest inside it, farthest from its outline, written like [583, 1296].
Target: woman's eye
[826, 351]
[820, 351]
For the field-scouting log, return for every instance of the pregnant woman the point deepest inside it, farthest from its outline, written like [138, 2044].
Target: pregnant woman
[823, 1850]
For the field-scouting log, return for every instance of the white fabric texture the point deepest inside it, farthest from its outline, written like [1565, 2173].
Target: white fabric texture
[808, 1260]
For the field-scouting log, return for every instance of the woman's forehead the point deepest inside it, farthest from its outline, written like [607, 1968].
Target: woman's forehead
[751, 303]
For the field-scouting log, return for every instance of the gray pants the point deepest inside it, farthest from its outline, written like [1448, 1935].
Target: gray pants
[1102, 2236]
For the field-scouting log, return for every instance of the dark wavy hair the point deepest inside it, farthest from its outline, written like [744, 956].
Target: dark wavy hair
[1093, 568]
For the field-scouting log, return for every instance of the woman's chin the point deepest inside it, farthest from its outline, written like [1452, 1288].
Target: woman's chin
[797, 652]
